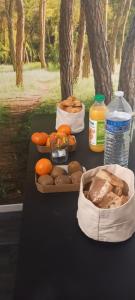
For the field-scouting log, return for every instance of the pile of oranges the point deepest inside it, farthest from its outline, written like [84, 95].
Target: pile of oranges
[44, 165]
[43, 139]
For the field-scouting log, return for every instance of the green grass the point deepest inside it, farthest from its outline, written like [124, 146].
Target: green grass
[36, 82]
[44, 83]
[4, 115]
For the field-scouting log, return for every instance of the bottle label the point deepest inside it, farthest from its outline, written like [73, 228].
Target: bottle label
[118, 126]
[96, 132]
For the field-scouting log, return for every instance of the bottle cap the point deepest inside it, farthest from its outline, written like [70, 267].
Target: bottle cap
[119, 94]
[99, 98]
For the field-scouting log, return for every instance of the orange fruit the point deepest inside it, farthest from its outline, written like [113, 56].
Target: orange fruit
[71, 140]
[53, 134]
[48, 142]
[65, 129]
[50, 138]
[43, 166]
[39, 138]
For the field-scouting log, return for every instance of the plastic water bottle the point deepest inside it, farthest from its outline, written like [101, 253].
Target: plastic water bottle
[117, 133]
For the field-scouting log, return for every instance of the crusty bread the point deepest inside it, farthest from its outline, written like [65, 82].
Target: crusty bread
[104, 174]
[111, 200]
[113, 179]
[67, 102]
[117, 190]
[99, 189]
[125, 189]
[106, 190]
[124, 199]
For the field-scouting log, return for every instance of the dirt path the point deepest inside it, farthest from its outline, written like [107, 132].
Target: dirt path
[14, 149]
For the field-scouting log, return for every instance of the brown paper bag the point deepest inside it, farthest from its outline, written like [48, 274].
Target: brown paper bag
[109, 225]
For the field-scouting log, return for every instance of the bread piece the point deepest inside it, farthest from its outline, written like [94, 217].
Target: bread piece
[117, 190]
[76, 109]
[111, 200]
[73, 98]
[77, 103]
[68, 109]
[104, 174]
[67, 102]
[125, 189]
[99, 189]
[116, 181]
[124, 199]
[111, 178]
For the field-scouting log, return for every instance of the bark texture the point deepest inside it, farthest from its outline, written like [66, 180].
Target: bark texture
[127, 70]
[65, 48]
[9, 5]
[113, 40]
[19, 42]
[98, 48]
[42, 9]
[122, 28]
[86, 62]
[105, 16]
[80, 44]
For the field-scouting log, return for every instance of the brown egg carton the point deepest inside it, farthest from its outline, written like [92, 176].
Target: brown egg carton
[46, 149]
[58, 188]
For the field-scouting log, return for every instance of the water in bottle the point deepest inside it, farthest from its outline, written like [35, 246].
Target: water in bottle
[117, 134]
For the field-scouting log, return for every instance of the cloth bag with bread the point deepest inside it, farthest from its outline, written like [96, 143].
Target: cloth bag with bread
[71, 111]
[106, 203]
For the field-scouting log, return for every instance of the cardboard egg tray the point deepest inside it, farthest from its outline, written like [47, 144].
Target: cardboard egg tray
[58, 188]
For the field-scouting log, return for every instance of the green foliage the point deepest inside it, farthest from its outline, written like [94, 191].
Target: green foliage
[4, 53]
[52, 28]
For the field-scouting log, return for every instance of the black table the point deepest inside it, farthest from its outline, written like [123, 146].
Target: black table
[56, 260]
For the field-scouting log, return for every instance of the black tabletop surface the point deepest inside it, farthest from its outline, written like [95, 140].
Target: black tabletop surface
[56, 260]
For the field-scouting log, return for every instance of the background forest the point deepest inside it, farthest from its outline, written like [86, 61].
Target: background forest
[50, 49]
[40, 42]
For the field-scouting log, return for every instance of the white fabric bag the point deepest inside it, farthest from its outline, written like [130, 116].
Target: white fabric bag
[74, 120]
[112, 224]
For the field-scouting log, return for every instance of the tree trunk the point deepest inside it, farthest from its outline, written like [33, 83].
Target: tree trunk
[65, 48]
[113, 40]
[19, 42]
[42, 9]
[98, 48]
[9, 5]
[25, 54]
[86, 62]
[127, 70]
[105, 16]
[80, 44]
[121, 33]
